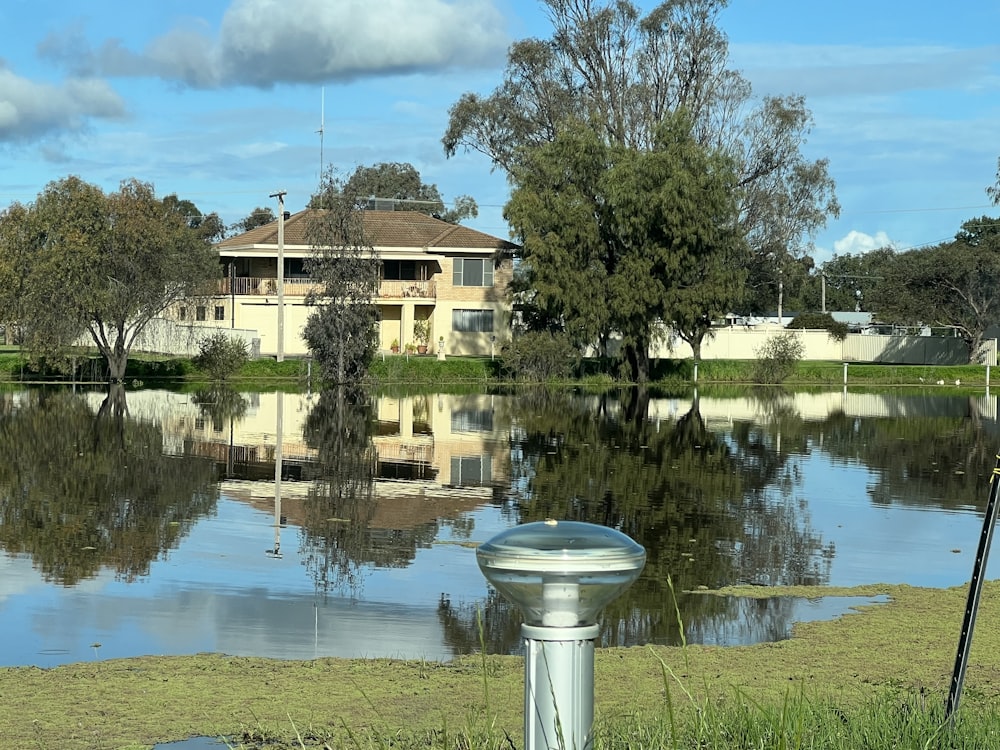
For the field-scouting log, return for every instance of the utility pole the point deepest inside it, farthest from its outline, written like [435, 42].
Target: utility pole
[280, 195]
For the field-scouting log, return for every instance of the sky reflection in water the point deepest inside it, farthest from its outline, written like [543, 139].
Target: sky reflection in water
[219, 591]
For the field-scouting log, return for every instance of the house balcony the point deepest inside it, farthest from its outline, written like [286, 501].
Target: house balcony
[426, 289]
[300, 287]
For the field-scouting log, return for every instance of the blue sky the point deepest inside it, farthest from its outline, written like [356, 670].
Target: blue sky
[219, 101]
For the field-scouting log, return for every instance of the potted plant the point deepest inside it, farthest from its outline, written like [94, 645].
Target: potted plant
[411, 348]
[422, 333]
[394, 346]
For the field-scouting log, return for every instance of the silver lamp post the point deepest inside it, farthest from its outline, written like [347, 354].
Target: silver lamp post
[561, 574]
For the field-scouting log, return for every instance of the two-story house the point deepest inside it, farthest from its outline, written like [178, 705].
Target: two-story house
[448, 275]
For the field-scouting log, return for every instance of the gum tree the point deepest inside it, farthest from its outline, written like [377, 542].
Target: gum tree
[619, 239]
[608, 63]
[85, 264]
[399, 186]
[953, 284]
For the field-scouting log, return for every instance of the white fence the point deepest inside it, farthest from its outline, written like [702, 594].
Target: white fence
[744, 343]
[164, 336]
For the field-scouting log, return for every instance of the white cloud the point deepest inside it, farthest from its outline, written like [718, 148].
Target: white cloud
[856, 242]
[265, 42]
[29, 109]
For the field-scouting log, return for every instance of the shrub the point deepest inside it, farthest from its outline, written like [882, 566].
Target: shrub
[538, 356]
[776, 358]
[221, 355]
[819, 321]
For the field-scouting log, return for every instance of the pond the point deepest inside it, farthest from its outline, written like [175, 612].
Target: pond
[340, 524]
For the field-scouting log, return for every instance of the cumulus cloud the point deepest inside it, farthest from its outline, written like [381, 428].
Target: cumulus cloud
[855, 242]
[29, 109]
[265, 42]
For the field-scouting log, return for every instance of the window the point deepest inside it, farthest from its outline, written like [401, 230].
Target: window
[199, 312]
[474, 321]
[472, 420]
[182, 313]
[399, 270]
[220, 312]
[471, 471]
[473, 272]
[295, 268]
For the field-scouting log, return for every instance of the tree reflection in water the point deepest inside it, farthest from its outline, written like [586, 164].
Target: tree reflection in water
[81, 491]
[340, 505]
[694, 500]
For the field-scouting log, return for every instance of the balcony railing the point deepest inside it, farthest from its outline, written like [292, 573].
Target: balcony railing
[398, 289]
[298, 287]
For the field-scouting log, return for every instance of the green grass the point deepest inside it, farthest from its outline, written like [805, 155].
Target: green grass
[874, 679]
[594, 374]
[405, 369]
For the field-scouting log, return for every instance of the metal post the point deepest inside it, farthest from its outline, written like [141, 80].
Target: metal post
[695, 372]
[279, 429]
[845, 373]
[975, 592]
[559, 687]
[232, 293]
[280, 195]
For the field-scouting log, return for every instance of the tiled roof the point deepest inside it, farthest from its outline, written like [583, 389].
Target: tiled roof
[384, 229]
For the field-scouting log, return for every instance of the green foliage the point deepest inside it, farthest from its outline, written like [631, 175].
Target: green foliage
[429, 370]
[422, 331]
[539, 356]
[221, 355]
[626, 71]
[78, 262]
[852, 281]
[951, 284]
[818, 321]
[256, 218]
[396, 186]
[777, 357]
[615, 239]
[341, 332]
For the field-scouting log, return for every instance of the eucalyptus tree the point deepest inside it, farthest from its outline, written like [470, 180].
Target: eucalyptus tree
[608, 63]
[620, 239]
[341, 331]
[80, 263]
[952, 284]
[852, 280]
[398, 186]
[208, 226]
[256, 218]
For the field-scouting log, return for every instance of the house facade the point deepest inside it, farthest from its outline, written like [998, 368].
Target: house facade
[443, 277]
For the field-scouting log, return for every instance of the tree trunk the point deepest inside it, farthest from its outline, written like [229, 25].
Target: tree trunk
[637, 357]
[974, 342]
[696, 347]
[116, 366]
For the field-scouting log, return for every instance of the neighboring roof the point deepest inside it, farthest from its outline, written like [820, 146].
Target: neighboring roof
[852, 318]
[384, 229]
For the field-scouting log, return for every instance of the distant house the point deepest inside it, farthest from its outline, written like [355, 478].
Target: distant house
[445, 274]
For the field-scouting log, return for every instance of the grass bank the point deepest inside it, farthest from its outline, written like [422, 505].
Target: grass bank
[406, 370]
[876, 678]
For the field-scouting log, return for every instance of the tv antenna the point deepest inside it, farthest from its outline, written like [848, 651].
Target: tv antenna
[322, 120]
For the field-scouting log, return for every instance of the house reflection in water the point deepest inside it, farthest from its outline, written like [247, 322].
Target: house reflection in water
[434, 456]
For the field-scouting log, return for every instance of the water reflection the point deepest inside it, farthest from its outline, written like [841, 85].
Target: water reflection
[82, 491]
[371, 508]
